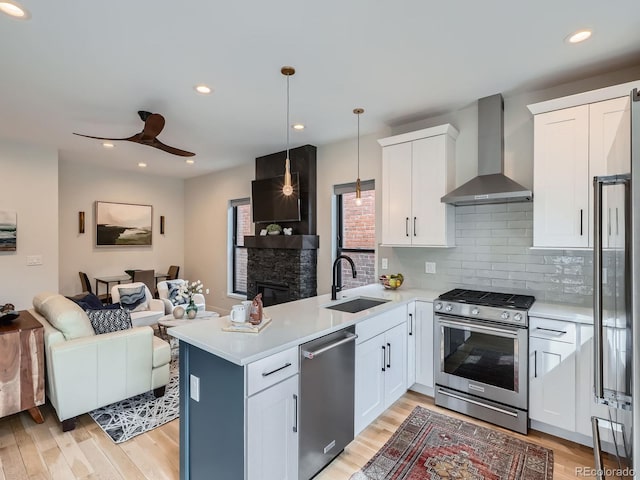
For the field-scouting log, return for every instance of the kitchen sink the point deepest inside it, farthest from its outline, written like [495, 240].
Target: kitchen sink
[357, 304]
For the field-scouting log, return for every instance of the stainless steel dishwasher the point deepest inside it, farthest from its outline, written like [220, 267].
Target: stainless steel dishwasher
[326, 400]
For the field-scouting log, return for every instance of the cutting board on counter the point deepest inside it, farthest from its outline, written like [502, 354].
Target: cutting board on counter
[247, 327]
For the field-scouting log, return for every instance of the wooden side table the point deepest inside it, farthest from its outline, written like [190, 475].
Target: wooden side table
[22, 366]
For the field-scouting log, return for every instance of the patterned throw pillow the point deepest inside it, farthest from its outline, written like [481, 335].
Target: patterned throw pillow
[133, 299]
[105, 321]
[174, 287]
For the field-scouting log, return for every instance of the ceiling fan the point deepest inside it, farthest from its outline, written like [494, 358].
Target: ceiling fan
[153, 125]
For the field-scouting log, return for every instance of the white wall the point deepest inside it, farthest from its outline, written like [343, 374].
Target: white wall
[207, 203]
[80, 186]
[30, 188]
[337, 163]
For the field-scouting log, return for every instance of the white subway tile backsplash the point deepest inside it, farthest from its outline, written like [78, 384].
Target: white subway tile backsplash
[493, 251]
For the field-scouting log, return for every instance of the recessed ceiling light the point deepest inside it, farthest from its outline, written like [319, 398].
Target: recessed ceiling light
[579, 36]
[14, 10]
[190, 161]
[297, 126]
[203, 89]
[108, 145]
[142, 164]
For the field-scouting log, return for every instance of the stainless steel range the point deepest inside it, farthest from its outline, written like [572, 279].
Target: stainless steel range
[480, 355]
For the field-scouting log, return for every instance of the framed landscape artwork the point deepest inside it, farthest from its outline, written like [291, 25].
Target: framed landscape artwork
[8, 231]
[123, 224]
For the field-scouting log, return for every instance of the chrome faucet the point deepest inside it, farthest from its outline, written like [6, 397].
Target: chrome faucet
[335, 288]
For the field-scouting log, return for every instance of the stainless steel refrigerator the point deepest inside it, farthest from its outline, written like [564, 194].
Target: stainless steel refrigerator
[616, 260]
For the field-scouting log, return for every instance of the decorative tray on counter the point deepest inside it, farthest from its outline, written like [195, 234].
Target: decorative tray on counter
[247, 327]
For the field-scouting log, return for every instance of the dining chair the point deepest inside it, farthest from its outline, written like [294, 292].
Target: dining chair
[147, 277]
[173, 272]
[86, 287]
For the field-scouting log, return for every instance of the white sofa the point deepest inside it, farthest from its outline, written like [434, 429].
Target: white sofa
[149, 316]
[86, 371]
[163, 294]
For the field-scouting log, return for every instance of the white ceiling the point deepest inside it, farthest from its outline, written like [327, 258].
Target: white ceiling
[89, 66]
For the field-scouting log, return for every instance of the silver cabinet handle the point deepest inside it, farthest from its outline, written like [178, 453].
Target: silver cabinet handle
[389, 361]
[406, 226]
[384, 357]
[414, 227]
[581, 211]
[295, 413]
[411, 324]
[349, 337]
[535, 364]
[266, 374]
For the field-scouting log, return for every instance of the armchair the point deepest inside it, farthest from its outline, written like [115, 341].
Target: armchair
[87, 371]
[147, 312]
[164, 293]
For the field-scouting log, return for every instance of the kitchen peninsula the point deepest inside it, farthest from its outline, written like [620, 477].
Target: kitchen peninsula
[239, 391]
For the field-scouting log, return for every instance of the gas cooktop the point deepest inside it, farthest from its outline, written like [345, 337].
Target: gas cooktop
[490, 299]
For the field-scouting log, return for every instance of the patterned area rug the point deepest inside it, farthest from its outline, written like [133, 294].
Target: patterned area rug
[125, 419]
[431, 446]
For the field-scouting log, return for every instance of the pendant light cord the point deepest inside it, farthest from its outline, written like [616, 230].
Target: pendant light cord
[358, 146]
[287, 126]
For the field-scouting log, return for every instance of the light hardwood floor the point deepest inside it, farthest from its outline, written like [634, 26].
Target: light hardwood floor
[32, 451]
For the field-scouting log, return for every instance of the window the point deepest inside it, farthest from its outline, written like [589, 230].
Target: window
[240, 223]
[356, 233]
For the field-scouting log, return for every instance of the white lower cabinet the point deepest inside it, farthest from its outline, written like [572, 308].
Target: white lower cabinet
[381, 374]
[424, 348]
[552, 382]
[272, 439]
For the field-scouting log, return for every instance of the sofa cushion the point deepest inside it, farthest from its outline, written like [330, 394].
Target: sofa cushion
[174, 288]
[63, 314]
[134, 299]
[109, 320]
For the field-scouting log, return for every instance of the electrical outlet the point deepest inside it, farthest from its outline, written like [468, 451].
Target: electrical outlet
[34, 260]
[385, 263]
[194, 387]
[207, 291]
[429, 267]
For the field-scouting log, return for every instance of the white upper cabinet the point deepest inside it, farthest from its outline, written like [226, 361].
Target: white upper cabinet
[418, 168]
[571, 146]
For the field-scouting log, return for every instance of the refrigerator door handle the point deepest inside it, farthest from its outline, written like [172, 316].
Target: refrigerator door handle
[597, 294]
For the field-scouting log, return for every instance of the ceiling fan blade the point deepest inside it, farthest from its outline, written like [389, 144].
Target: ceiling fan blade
[132, 138]
[153, 125]
[175, 151]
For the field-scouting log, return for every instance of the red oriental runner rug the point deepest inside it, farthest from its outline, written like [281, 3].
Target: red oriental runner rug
[431, 446]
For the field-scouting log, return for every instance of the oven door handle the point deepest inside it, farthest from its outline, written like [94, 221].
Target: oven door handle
[502, 332]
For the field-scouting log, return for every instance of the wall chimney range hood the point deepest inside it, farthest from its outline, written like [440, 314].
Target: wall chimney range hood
[491, 185]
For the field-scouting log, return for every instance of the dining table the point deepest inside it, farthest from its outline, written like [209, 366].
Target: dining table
[109, 279]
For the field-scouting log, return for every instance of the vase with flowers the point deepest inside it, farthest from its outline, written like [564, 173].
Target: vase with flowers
[186, 291]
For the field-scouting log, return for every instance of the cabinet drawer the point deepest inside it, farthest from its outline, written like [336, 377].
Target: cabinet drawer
[380, 323]
[555, 330]
[270, 370]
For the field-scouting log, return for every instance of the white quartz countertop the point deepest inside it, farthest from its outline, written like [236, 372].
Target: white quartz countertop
[292, 324]
[566, 313]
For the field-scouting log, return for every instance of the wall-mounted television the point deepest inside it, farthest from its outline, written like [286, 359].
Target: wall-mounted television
[270, 205]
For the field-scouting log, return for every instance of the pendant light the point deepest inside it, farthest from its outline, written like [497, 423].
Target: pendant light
[287, 188]
[358, 112]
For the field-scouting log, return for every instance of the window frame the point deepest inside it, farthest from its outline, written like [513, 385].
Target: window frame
[233, 245]
[339, 191]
